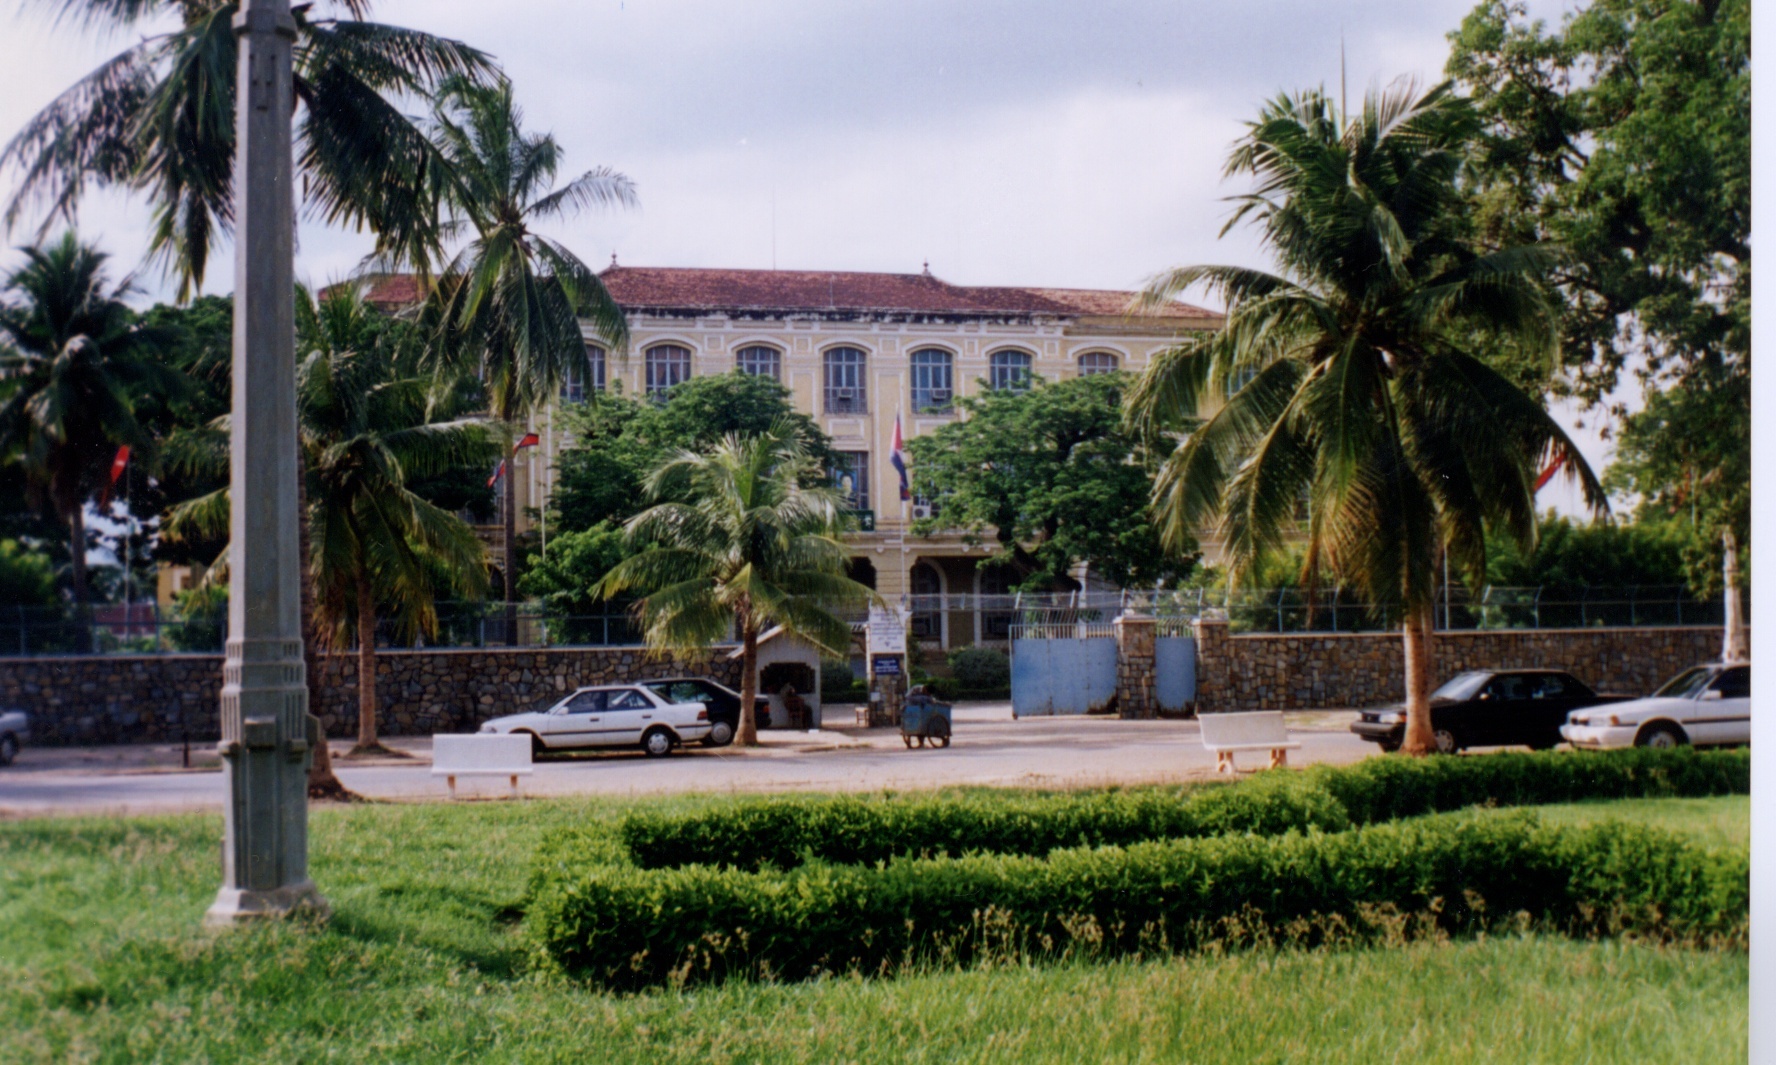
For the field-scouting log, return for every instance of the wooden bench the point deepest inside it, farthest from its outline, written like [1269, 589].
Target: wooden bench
[1260, 730]
[481, 754]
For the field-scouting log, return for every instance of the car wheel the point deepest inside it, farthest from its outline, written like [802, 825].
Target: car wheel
[720, 735]
[1661, 736]
[1446, 741]
[657, 743]
[9, 748]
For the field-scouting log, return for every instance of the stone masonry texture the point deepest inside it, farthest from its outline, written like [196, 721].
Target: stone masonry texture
[163, 698]
[1305, 671]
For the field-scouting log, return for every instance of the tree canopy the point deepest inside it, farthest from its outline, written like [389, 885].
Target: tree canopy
[1624, 136]
[1051, 474]
[618, 441]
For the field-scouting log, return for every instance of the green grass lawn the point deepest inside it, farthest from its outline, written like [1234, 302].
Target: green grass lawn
[102, 958]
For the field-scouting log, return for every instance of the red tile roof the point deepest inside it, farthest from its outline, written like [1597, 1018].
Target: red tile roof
[679, 288]
[661, 288]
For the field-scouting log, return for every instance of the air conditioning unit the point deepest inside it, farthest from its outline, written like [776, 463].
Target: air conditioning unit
[940, 396]
[921, 511]
[844, 395]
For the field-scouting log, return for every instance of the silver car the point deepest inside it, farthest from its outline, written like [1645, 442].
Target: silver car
[15, 729]
[1705, 706]
[611, 715]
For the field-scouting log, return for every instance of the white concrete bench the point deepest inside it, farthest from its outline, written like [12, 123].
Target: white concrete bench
[480, 755]
[1261, 730]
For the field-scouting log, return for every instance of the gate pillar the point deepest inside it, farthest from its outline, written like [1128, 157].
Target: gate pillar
[1134, 667]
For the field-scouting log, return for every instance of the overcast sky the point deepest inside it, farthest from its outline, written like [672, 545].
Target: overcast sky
[1007, 143]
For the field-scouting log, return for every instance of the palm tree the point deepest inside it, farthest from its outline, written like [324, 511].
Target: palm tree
[369, 424]
[158, 118]
[511, 302]
[1362, 391]
[739, 542]
[69, 381]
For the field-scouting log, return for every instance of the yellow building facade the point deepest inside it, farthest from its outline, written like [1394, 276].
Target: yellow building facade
[855, 350]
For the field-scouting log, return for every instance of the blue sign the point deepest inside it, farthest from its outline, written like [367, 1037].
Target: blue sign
[885, 665]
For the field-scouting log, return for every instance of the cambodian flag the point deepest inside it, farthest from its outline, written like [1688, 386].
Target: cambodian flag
[897, 458]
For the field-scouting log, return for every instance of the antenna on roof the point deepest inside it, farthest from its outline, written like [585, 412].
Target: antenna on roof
[927, 267]
[613, 258]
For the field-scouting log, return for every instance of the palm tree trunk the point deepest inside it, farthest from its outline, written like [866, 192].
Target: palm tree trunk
[749, 656]
[77, 574]
[323, 783]
[366, 667]
[509, 492]
[1421, 670]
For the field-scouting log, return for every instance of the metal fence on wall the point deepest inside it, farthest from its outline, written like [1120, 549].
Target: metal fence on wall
[998, 619]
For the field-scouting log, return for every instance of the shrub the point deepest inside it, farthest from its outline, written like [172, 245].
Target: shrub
[980, 669]
[626, 927]
[782, 831]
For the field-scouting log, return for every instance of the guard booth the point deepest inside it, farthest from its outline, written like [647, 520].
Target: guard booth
[785, 661]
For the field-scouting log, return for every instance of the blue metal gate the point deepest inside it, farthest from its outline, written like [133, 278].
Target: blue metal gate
[1064, 675]
[1174, 672]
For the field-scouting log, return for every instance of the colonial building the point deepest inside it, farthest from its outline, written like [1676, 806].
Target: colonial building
[855, 350]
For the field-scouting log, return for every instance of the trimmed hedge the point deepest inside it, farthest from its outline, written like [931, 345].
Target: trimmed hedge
[784, 831]
[625, 927]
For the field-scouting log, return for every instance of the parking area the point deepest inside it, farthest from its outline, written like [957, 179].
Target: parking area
[990, 749]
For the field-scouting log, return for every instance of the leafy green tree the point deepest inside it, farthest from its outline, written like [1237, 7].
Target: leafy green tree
[1054, 477]
[1361, 398]
[618, 440]
[68, 384]
[27, 577]
[1624, 135]
[511, 303]
[563, 575]
[158, 119]
[738, 541]
[376, 548]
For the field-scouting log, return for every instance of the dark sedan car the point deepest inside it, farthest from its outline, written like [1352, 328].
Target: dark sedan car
[723, 703]
[1490, 708]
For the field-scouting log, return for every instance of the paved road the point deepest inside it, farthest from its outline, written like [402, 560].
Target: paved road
[989, 749]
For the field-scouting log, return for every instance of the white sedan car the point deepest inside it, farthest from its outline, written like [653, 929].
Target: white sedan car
[15, 729]
[1705, 706]
[613, 715]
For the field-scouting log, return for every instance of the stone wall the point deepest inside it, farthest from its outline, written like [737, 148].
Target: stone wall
[162, 698]
[1300, 671]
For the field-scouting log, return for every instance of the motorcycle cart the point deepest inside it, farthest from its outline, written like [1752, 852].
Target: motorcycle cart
[924, 719]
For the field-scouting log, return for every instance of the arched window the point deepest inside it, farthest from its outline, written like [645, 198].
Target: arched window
[575, 387]
[760, 361]
[845, 389]
[996, 600]
[1095, 362]
[927, 590]
[933, 381]
[1009, 371]
[668, 365]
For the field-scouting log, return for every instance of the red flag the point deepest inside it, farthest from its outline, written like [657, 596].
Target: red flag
[1553, 468]
[118, 462]
[530, 440]
[497, 471]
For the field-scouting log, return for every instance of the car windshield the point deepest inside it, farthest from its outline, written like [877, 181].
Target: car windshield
[1461, 686]
[1685, 684]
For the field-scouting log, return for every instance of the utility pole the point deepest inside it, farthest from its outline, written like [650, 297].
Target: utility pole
[267, 731]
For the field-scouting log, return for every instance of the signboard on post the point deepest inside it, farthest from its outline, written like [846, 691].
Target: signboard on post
[887, 631]
[885, 665]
